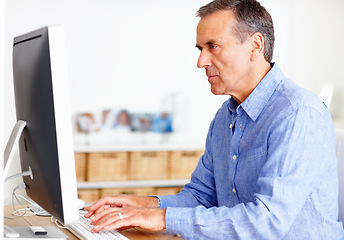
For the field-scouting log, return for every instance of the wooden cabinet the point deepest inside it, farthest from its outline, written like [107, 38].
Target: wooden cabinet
[89, 195]
[80, 166]
[141, 173]
[148, 165]
[112, 166]
[183, 163]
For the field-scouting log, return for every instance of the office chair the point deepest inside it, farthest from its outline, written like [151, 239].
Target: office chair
[340, 157]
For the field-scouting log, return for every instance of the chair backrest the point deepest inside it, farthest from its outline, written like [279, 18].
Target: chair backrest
[340, 157]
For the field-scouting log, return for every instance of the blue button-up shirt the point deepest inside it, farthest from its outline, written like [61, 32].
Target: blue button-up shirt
[269, 170]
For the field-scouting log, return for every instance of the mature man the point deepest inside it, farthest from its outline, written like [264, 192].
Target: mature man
[269, 170]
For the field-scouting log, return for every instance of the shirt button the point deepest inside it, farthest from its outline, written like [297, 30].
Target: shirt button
[231, 125]
[240, 126]
[234, 190]
[234, 157]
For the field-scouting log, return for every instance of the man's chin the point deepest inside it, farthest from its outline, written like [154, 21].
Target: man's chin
[216, 91]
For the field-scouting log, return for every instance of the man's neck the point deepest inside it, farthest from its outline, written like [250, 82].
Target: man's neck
[258, 73]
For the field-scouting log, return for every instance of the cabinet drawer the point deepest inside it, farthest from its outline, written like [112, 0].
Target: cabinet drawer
[107, 166]
[88, 195]
[183, 163]
[148, 165]
[80, 166]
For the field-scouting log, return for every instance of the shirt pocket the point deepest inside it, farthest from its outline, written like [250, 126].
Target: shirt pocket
[248, 169]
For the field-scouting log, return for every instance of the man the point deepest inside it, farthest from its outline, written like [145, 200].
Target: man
[269, 170]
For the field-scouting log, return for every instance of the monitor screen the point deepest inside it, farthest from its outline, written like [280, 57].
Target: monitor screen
[42, 100]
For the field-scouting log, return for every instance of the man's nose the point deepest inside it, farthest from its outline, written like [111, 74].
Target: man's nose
[204, 60]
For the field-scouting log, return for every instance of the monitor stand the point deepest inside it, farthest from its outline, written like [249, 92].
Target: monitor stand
[25, 232]
[10, 146]
[10, 149]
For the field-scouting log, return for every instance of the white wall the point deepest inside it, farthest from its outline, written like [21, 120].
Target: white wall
[123, 54]
[132, 54]
[2, 75]
[317, 32]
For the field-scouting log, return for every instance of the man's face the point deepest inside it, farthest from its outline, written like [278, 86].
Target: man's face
[224, 58]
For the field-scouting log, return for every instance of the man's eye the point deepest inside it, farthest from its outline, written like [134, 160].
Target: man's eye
[212, 46]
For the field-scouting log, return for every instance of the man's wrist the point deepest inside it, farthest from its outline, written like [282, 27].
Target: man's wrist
[158, 203]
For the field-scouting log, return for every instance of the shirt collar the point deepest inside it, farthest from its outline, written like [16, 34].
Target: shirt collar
[258, 99]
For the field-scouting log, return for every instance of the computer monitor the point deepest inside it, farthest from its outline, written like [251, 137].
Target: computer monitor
[42, 101]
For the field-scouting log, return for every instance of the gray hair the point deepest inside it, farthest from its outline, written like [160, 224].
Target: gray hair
[251, 17]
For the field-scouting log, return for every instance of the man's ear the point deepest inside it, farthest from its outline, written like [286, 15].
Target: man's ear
[257, 45]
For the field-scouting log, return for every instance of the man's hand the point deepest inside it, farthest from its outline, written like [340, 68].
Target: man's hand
[124, 218]
[121, 201]
[125, 211]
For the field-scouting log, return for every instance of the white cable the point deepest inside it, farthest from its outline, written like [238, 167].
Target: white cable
[28, 212]
[20, 186]
[24, 211]
[60, 225]
[14, 196]
[27, 173]
[57, 223]
[29, 201]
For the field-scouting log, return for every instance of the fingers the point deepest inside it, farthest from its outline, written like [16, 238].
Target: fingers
[122, 201]
[122, 224]
[96, 210]
[123, 211]
[112, 218]
[99, 214]
[123, 218]
[102, 204]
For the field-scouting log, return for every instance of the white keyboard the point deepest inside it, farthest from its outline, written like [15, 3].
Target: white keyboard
[82, 230]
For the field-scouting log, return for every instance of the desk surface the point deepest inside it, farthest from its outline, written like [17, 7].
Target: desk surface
[135, 233]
